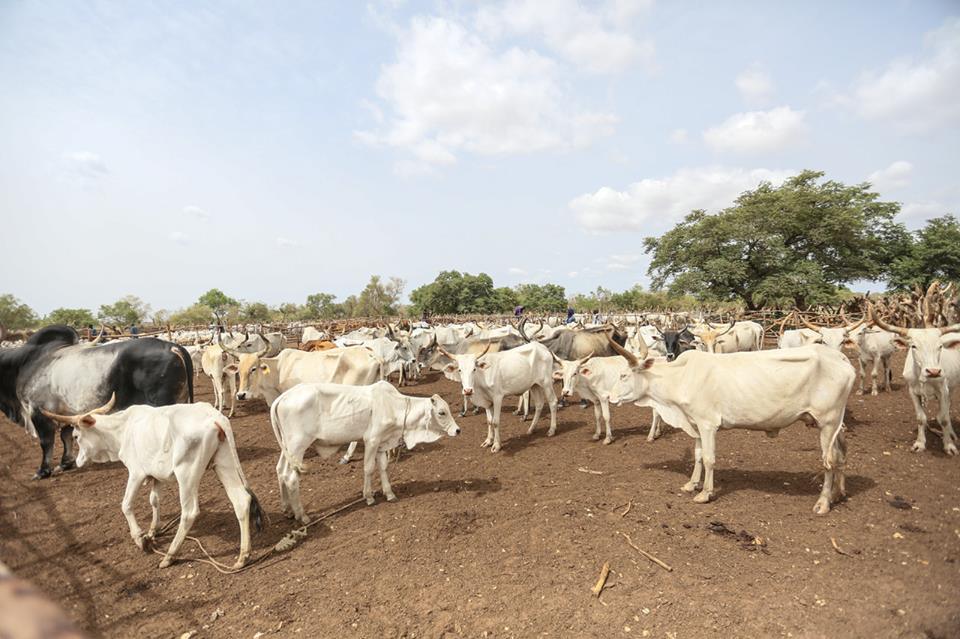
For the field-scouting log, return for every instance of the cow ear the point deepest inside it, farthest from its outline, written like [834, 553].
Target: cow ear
[901, 341]
[231, 369]
[558, 375]
[451, 368]
[952, 345]
[584, 371]
[88, 421]
[647, 363]
[482, 365]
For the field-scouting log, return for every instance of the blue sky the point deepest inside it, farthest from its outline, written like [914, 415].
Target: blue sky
[280, 149]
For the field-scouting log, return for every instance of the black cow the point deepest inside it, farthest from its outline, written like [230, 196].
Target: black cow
[54, 372]
[677, 342]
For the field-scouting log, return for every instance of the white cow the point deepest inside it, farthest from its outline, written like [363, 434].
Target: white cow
[702, 393]
[268, 377]
[160, 443]
[931, 368]
[595, 383]
[310, 334]
[489, 377]
[220, 365]
[736, 337]
[835, 337]
[327, 416]
[795, 337]
[875, 346]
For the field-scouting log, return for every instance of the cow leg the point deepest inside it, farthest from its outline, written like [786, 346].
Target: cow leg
[154, 507]
[384, 480]
[289, 478]
[369, 465]
[189, 509]
[134, 480]
[943, 418]
[916, 396]
[605, 409]
[552, 405]
[240, 498]
[466, 403]
[887, 373]
[694, 482]
[489, 440]
[597, 417]
[232, 381]
[497, 405]
[654, 426]
[709, 438]
[877, 367]
[351, 449]
[67, 460]
[862, 373]
[537, 408]
[47, 434]
[833, 459]
[217, 393]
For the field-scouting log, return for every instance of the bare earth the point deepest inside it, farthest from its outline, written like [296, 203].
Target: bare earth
[509, 545]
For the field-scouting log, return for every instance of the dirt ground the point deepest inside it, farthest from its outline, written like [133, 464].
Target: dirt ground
[509, 545]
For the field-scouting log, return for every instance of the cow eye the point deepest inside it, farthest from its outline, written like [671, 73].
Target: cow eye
[253, 370]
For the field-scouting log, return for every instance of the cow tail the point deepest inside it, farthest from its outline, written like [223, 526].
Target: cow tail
[227, 460]
[278, 433]
[187, 362]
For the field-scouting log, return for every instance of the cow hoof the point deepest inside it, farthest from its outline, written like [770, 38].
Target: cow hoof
[391, 497]
[165, 562]
[495, 448]
[43, 473]
[860, 391]
[485, 443]
[874, 393]
[918, 447]
[343, 460]
[551, 432]
[950, 449]
[68, 465]
[139, 542]
[370, 501]
[690, 487]
[608, 440]
[463, 413]
[304, 520]
[476, 410]
[596, 437]
[703, 497]
[822, 507]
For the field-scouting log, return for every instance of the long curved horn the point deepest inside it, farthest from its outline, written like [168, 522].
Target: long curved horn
[266, 346]
[590, 356]
[537, 332]
[485, 350]
[783, 324]
[733, 322]
[523, 321]
[627, 355]
[812, 327]
[953, 328]
[444, 351]
[887, 327]
[75, 419]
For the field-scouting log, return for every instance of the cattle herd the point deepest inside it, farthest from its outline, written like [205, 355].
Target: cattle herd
[131, 399]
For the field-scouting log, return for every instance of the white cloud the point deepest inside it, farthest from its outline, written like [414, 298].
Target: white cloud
[679, 136]
[82, 167]
[757, 131]
[449, 91]
[654, 202]
[598, 40]
[195, 211]
[923, 210]
[755, 86]
[286, 242]
[515, 270]
[915, 93]
[572, 274]
[621, 262]
[895, 176]
[179, 238]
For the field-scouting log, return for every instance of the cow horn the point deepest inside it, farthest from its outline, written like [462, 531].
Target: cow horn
[812, 327]
[729, 328]
[887, 327]
[949, 329]
[783, 324]
[485, 350]
[590, 356]
[540, 328]
[627, 355]
[523, 321]
[555, 358]
[75, 419]
[266, 346]
[444, 351]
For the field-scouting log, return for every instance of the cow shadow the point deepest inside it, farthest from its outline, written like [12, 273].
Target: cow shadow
[731, 480]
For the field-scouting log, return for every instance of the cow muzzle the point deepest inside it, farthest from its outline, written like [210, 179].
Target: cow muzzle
[242, 395]
[567, 393]
[468, 392]
[453, 432]
[934, 372]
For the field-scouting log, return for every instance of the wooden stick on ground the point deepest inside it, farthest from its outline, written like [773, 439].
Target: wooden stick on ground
[833, 542]
[629, 505]
[591, 472]
[646, 554]
[604, 572]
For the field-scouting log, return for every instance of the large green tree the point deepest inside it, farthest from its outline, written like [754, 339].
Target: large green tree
[14, 314]
[192, 316]
[789, 245]
[128, 310]
[379, 297]
[75, 317]
[542, 297]
[933, 254]
[453, 292]
[218, 301]
[321, 306]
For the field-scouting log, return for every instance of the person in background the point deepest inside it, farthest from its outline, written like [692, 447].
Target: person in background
[570, 314]
[596, 316]
[134, 331]
[518, 311]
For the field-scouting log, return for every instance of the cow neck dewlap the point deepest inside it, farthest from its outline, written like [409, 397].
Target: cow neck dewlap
[110, 429]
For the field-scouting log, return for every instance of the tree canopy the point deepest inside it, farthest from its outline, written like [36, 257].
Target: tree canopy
[795, 244]
[218, 301]
[933, 254]
[542, 297]
[128, 310]
[75, 317]
[14, 314]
